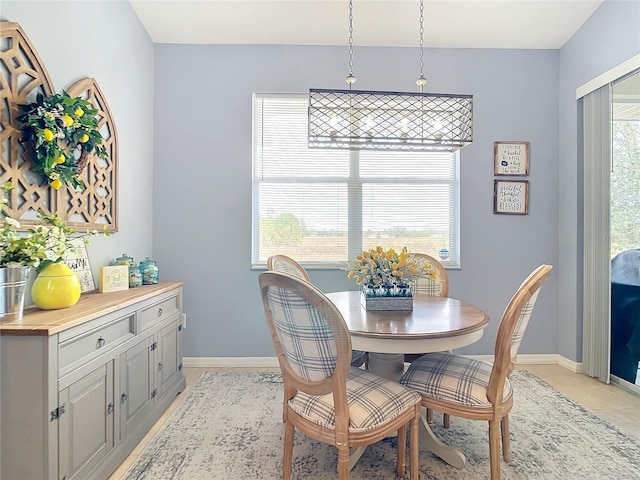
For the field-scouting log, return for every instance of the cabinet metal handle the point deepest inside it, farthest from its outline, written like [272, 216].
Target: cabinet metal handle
[123, 398]
[160, 366]
[110, 408]
[101, 342]
[159, 312]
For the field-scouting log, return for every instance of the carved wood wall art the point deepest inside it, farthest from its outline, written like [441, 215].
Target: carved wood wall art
[22, 76]
[97, 204]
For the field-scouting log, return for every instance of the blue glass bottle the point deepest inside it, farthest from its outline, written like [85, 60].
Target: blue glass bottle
[135, 277]
[149, 270]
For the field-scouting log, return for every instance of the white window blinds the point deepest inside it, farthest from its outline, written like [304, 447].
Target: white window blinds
[323, 206]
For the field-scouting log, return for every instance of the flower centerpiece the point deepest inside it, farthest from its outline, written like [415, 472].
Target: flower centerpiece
[388, 274]
[61, 131]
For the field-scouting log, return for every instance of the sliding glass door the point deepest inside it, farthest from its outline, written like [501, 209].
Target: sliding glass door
[625, 229]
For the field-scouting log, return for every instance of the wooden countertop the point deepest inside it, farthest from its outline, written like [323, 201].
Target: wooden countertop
[91, 305]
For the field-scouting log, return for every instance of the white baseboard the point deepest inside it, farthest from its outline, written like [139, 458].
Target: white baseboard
[231, 362]
[272, 362]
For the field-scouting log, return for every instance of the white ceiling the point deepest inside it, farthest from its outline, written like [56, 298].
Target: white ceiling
[539, 24]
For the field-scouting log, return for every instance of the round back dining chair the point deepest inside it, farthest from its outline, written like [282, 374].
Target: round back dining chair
[438, 286]
[324, 397]
[478, 390]
[285, 264]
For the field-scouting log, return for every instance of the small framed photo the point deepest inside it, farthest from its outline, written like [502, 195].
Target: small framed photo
[511, 197]
[77, 260]
[511, 158]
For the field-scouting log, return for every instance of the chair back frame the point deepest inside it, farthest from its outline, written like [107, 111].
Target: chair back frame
[443, 278]
[285, 264]
[521, 304]
[292, 380]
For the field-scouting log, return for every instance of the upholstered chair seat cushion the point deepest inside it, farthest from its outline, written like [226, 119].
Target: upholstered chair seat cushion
[454, 378]
[372, 401]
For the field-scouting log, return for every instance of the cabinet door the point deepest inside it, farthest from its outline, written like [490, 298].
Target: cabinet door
[136, 383]
[169, 356]
[86, 425]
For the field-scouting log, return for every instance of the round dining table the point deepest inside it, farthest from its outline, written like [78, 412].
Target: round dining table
[435, 324]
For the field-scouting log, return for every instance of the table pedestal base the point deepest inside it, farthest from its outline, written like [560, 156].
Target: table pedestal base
[430, 442]
[387, 365]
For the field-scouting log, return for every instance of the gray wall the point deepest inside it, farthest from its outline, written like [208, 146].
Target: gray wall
[105, 41]
[609, 37]
[202, 194]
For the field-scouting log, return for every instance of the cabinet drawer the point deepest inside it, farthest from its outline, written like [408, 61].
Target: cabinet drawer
[158, 312]
[96, 341]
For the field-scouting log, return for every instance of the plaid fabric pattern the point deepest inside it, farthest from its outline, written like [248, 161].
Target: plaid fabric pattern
[453, 378]
[306, 338]
[372, 400]
[521, 325]
[428, 287]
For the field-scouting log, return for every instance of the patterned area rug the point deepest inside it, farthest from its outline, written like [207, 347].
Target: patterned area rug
[229, 427]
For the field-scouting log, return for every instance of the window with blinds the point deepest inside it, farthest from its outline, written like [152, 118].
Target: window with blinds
[322, 206]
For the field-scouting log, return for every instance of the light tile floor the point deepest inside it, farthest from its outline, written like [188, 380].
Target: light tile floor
[609, 401]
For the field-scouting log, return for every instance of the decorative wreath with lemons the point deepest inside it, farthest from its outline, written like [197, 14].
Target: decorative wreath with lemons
[61, 131]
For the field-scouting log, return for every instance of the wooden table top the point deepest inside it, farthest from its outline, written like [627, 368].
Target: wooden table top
[432, 317]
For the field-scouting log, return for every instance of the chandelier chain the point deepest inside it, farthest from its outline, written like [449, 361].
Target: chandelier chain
[421, 81]
[421, 38]
[350, 43]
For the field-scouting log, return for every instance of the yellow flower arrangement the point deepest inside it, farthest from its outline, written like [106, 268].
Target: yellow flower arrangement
[380, 267]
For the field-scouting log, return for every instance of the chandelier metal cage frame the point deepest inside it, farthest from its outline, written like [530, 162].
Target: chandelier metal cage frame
[389, 120]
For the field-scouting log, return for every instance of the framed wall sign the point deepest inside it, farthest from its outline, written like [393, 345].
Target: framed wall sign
[78, 260]
[511, 197]
[511, 158]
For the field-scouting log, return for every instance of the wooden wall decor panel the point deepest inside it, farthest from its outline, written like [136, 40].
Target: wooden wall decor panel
[22, 77]
[96, 206]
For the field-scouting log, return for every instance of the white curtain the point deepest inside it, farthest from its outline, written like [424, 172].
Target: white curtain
[597, 249]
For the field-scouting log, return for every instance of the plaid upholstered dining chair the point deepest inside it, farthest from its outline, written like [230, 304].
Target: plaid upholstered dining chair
[478, 390]
[324, 396]
[438, 287]
[285, 264]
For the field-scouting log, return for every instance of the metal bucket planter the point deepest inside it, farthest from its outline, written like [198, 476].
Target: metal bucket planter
[13, 282]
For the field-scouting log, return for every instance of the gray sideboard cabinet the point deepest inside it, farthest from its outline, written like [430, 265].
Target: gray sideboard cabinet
[81, 387]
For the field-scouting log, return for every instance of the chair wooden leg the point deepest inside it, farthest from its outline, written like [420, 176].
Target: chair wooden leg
[446, 420]
[343, 462]
[429, 416]
[401, 464]
[494, 449]
[288, 451]
[414, 445]
[506, 440]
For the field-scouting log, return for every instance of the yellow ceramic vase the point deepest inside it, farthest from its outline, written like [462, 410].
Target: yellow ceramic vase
[57, 286]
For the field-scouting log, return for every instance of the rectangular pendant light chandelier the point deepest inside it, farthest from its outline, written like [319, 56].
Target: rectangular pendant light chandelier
[362, 119]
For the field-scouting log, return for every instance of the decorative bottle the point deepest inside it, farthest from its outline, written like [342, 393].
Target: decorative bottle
[135, 277]
[149, 270]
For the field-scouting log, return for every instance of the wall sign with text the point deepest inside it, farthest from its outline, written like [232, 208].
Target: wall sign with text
[511, 197]
[511, 158]
[77, 260]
